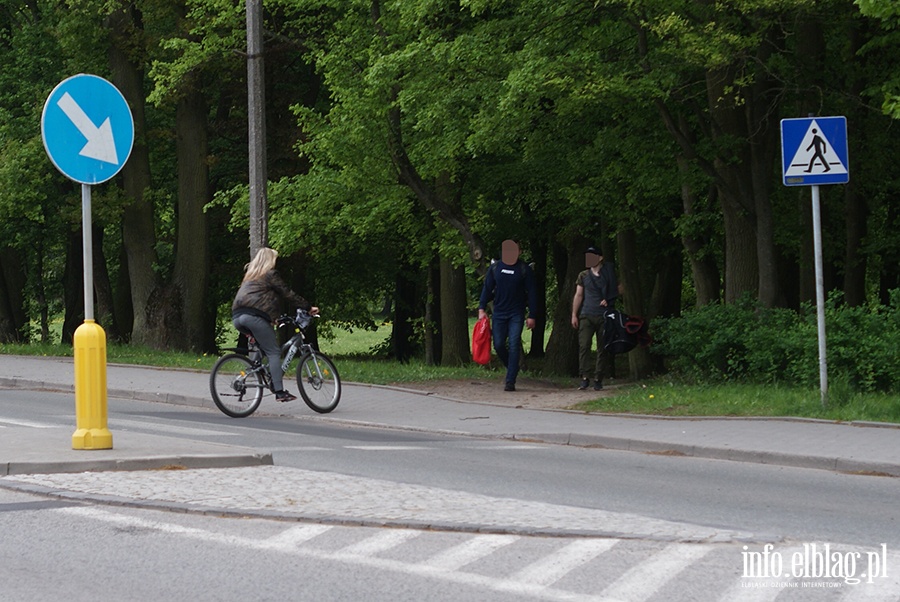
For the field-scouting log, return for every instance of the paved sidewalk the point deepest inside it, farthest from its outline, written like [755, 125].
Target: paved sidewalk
[849, 447]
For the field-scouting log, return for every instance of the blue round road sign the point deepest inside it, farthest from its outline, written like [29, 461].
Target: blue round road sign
[87, 129]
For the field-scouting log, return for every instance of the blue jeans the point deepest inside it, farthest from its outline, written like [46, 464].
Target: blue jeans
[507, 331]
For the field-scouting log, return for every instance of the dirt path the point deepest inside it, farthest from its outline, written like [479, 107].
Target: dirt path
[530, 392]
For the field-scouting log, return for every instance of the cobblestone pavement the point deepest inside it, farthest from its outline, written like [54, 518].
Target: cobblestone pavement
[291, 493]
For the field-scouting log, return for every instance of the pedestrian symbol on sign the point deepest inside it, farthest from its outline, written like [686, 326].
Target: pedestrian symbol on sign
[821, 148]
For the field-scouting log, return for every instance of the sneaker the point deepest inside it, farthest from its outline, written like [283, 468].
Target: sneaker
[510, 387]
[284, 396]
[585, 383]
[598, 385]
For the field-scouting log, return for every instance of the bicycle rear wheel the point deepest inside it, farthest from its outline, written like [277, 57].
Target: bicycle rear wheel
[318, 381]
[235, 387]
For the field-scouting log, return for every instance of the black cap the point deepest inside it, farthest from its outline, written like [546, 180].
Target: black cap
[594, 250]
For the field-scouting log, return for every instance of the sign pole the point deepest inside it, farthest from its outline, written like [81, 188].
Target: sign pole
[89, 343]
[88, 252]
[820, 293]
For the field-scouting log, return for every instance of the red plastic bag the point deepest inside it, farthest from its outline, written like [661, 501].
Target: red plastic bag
[481, 341]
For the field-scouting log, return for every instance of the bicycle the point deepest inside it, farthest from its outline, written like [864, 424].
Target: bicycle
[239, 379]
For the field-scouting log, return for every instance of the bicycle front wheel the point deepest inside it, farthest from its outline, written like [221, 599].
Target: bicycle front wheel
[236, 388]
[319, 383]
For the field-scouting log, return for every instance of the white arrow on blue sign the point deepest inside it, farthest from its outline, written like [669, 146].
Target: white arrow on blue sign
[814, 151]
[87, 128]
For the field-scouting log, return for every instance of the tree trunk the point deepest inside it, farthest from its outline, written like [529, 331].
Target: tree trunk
[704, 271]
[192, 261]
[665, 300]
[561, 358]
[856, 208]
[735, 188]
[73, 285]
[539, 255]
[762, 134]
[12, 306]
[455, 350]
[40, 292]
[406, 310]
[138, 233]
[124, 311]
[639, 362]
[103, 294]
[433, 336]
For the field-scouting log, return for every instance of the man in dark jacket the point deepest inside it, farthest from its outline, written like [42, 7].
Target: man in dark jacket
[595, 293]
[510, 284]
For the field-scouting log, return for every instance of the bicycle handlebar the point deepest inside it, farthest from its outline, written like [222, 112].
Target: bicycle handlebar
[301, 320]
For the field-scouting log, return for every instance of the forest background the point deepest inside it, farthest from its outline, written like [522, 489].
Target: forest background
[407, 139]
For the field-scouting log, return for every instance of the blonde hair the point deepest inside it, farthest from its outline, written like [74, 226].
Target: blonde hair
[260, 265]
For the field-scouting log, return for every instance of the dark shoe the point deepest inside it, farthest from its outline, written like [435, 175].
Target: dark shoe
[585, 383]
[598, 385]
[284, 396]
[510, 387]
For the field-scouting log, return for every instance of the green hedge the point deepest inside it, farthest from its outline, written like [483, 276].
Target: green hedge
[744, 341]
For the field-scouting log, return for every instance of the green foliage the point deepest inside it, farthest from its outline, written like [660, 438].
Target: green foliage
[744, 342]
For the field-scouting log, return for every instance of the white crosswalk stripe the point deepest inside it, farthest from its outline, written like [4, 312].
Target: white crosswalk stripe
[381, 542]
[557, 565]
[289, 539]
[647, 578]
[469, 551]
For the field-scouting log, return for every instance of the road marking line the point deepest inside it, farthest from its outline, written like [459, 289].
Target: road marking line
[28, 423]
[380, 543]
[289, 539]
[557, 565]
[469, 551]
[385, 447]
[167, 428]
[641, 582]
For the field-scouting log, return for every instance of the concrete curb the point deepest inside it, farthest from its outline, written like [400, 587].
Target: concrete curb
[832, 463]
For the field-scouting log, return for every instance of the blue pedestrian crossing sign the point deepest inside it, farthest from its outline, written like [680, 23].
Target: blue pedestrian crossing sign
[87, 128]
[814, 151]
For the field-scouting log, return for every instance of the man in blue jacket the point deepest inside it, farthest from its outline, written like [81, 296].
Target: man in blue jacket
[510, 285]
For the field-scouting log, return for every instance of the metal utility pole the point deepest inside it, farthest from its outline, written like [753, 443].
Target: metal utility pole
[256, 109]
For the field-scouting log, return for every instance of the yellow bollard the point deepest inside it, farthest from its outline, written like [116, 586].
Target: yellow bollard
[90, 388]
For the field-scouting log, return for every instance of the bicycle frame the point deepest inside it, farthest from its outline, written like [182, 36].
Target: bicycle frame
[289, 350]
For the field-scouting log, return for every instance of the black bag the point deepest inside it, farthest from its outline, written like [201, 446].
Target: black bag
[622, 333]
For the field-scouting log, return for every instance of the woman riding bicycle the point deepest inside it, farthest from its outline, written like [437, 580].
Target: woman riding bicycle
[259, 300]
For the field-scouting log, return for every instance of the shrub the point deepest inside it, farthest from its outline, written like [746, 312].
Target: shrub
[744, 341]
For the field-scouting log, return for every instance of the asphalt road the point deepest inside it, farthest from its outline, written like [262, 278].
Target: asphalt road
[771, 501]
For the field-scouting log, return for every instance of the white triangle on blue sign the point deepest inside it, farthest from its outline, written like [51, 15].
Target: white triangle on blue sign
[815, 155]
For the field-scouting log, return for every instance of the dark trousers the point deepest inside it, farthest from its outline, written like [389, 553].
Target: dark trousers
[507, 333]
[589, 328]
[266, 341]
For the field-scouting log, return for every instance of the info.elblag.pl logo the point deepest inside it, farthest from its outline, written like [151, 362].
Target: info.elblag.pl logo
[812, 565]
